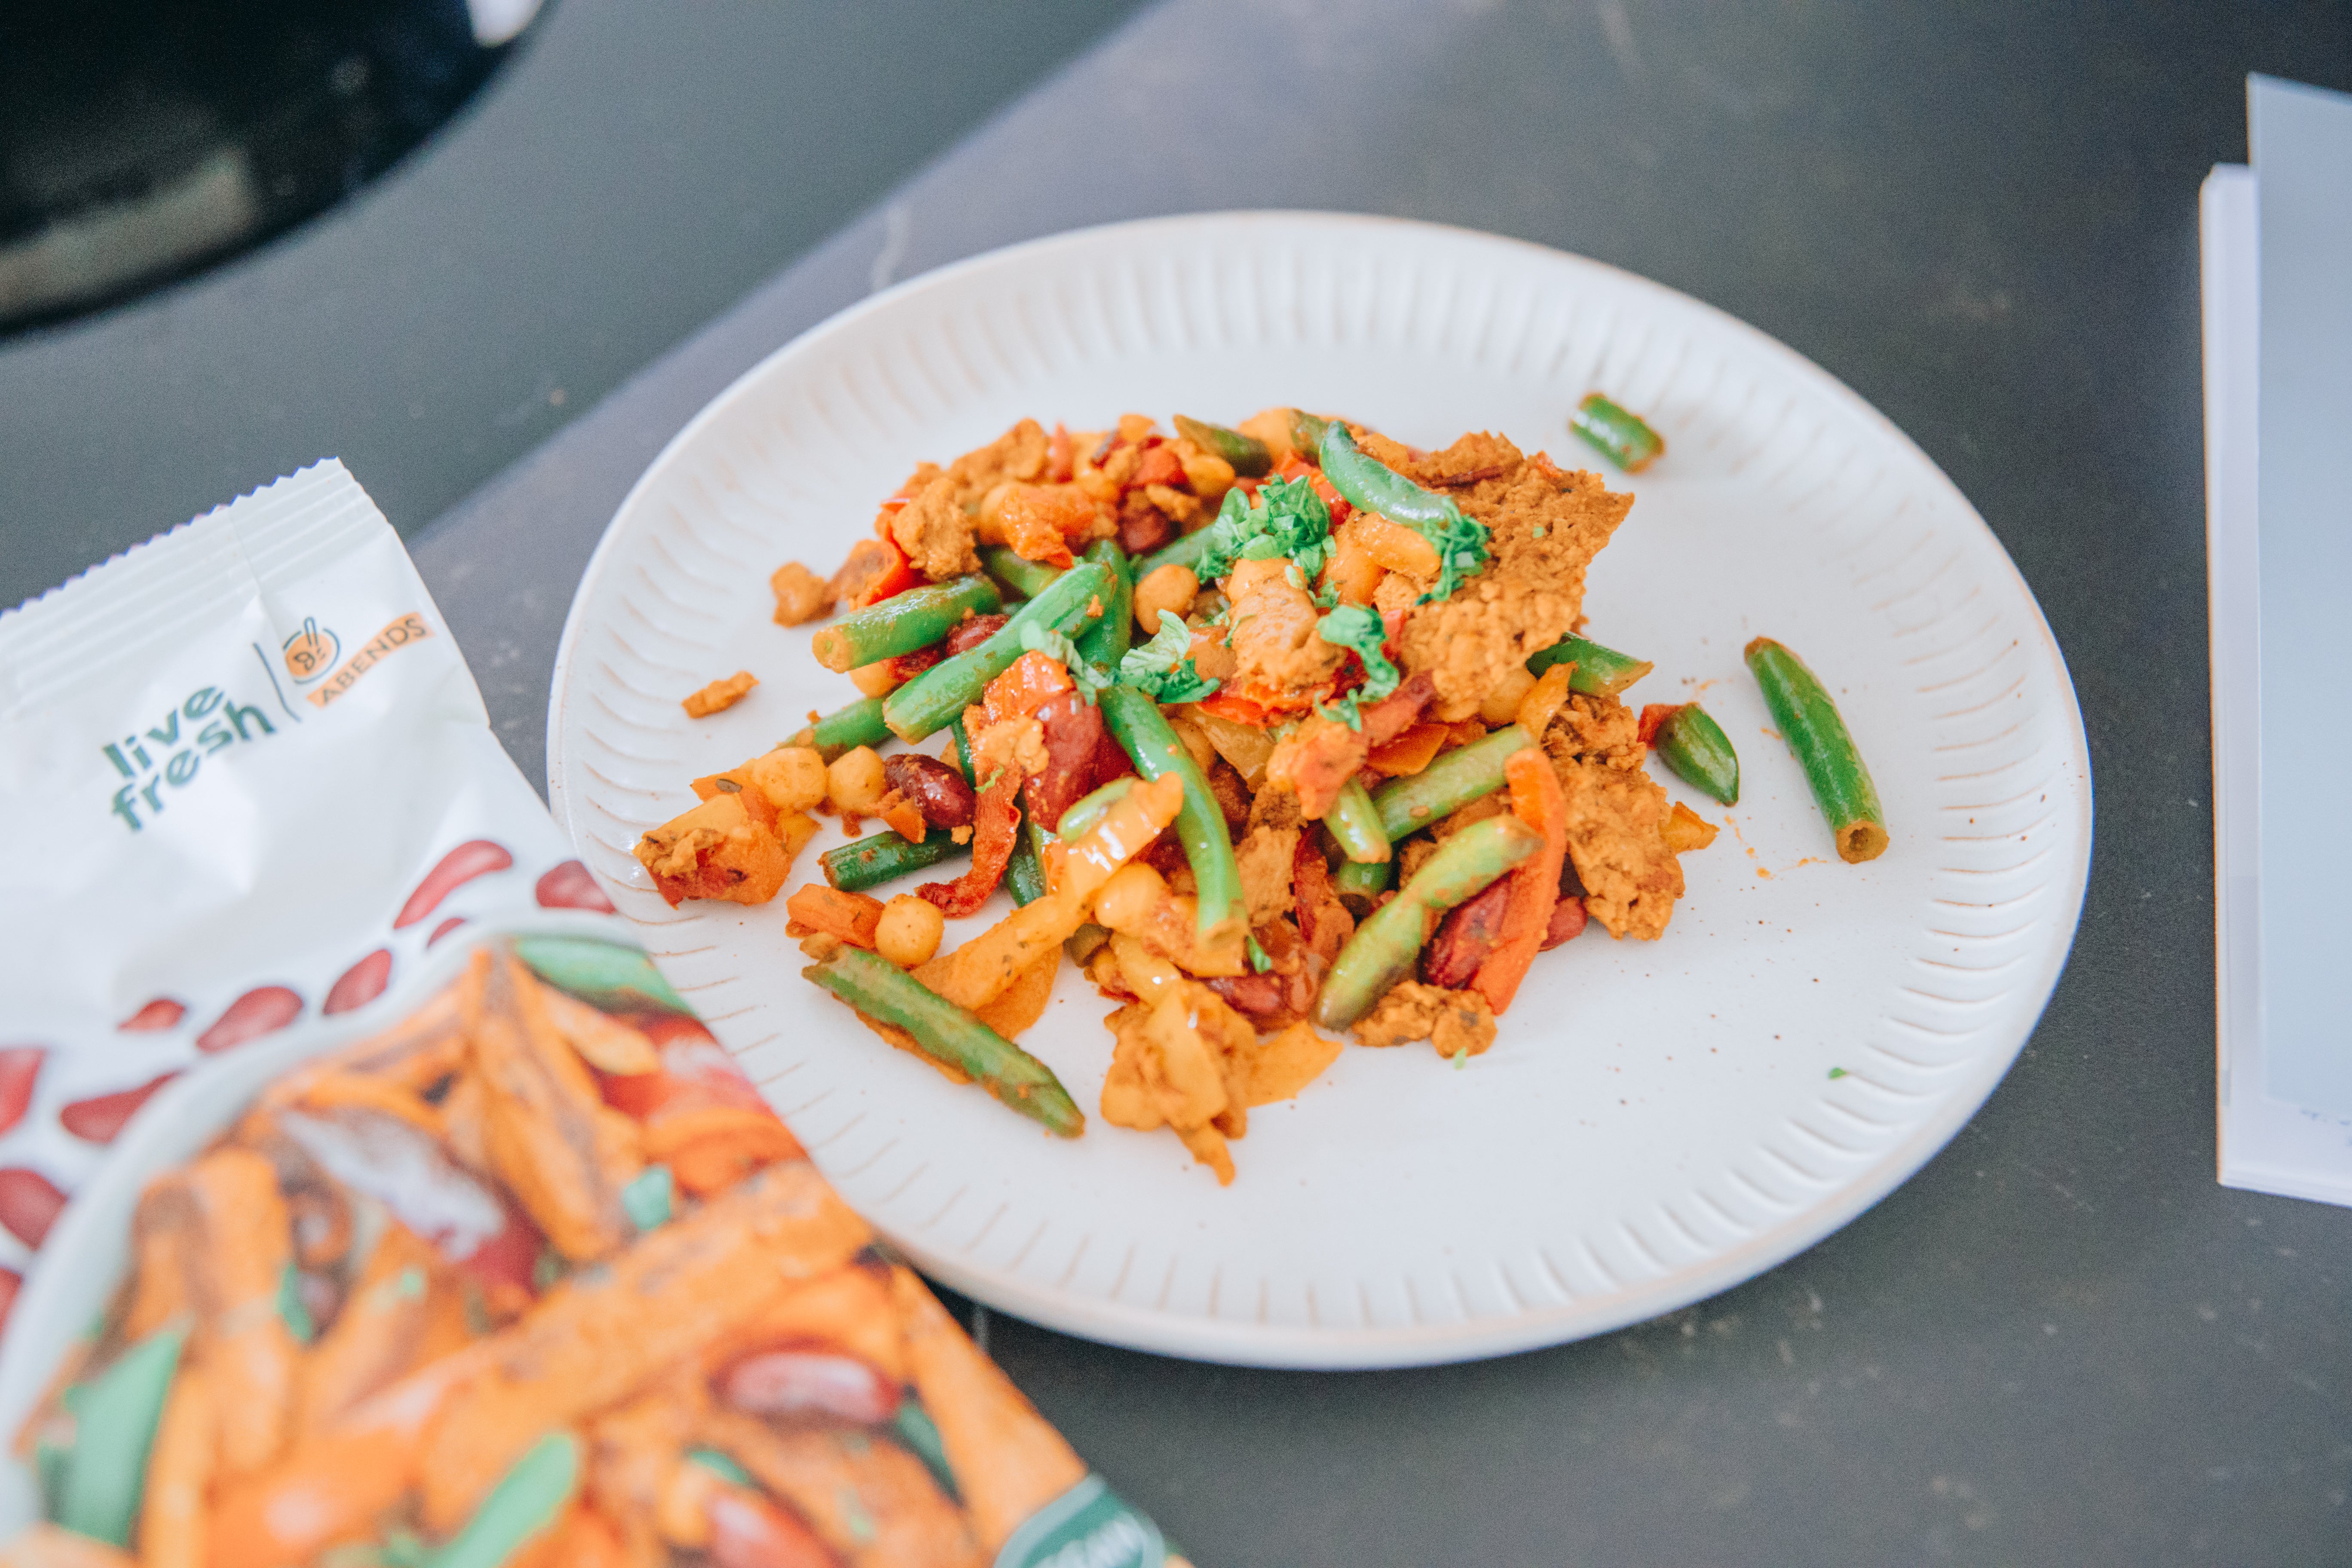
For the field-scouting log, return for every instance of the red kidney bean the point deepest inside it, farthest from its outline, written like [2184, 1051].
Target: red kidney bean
[361, 984]
[905, 667]
[30, 1204]
[98, 1119]
[747, 1531]
[1254, 994]
[809, 1382]
[161, 1013]
[263, 1010]
[478, 857]
[570, 886]
[938, 792]
[19, 1065]
[444, 928]
[510, 1257]
[1568, 919]
[1143, 527]
[1073, 735]
[1465, 937]
[972, 631]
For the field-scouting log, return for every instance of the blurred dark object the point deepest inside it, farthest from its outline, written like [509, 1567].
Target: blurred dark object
[143, 139]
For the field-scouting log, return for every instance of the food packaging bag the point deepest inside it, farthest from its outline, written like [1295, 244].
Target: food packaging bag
[368, 1195]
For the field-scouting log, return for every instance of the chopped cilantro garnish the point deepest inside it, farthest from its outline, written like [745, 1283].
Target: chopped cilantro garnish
[1837, 1072]
[1163, 668]
[1055, 645]
[1286, 518]
[1359, 629]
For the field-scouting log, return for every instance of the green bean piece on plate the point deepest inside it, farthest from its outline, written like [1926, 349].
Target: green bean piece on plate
[1247, 454]
[1355, 824]
[886, 994]
[1372, 485]
[1817, 735]
[903, 622]
[1599, 672]
[845, 729]
[1451, 781]
[1360, 881]
[1022, 577]
[1617, 433]
[1135, 723]
[1689, 741]
[1103, 643]
[1386, 946]
[927, 703]
[885, 857]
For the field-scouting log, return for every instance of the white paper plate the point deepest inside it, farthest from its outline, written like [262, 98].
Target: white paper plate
[1657, 1120]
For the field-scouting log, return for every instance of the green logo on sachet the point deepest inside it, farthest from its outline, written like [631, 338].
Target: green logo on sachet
[1086, 1527]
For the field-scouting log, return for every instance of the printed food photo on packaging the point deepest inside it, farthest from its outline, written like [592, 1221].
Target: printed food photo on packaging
[370, 1197]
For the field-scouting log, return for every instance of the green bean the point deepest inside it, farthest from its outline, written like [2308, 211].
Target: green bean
[1355, 824]
[885, 857]
[115, 1416]
[650, 1200]
[1024, 872]
[1185, 553]
[1599, 672]
[1307, 434]
[1619, 433]
[1450, 781]
[526, 1501]
[1693, 745]
[1135, 723]
[846, 729]
[1385, 947]
[1022, 577]
[611, 977]
[722, 1464]
[1247, 454]
[903, 622]
[883, 991]
[1370, 484]
[1363, 880]
[1817, 734]
[943, 691]
[1104, 642]
[1088, 809]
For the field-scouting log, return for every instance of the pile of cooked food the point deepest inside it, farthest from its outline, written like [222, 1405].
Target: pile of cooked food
[533, 1280]
[1279, 730]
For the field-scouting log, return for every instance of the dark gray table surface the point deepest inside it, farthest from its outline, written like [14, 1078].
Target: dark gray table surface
[2062, 1343]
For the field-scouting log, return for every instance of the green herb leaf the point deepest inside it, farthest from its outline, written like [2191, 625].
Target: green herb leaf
[1163, 668]
[1837, 1072]
[1359, 629]
[1257, 956]
[1057, 644]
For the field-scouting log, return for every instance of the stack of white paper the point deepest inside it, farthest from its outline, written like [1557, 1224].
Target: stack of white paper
[2277, 242]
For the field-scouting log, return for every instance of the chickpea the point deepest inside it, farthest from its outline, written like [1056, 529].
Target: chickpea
[876, 680]
[800, 594]
[793, 777]
[910, 930]
[1168, 589]
[1501, 703]
[1126, 901]
[855, 782]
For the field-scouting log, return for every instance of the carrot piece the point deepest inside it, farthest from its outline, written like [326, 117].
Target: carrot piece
[1035, 521]
[607, 1044]
[331, 1487]
[179, 1475]
[582, 1539]
[719, 1145]
[1537, 801]
[996, 824]
[1654, 715]
[551, 1138]
[896, 576]
[1026, 684]
[852, 1310]
[1411, 752]
[235, 1245]
[602, 1334]
[1008, 1462]
[904, 815]
[332, 1090]
[852, 916]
